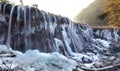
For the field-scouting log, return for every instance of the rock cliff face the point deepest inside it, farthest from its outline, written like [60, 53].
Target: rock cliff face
[29, 28]
[23, 28]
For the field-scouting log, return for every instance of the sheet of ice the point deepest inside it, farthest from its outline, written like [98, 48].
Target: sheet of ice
[106, 34]
[95, 57]
[33, 59]
[82, 58]
[103, 42]
[66, 39]
[52, 27]
[58, 43]
[4, 49]
[116, 36]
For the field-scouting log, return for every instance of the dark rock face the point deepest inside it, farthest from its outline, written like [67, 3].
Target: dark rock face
[34, 29]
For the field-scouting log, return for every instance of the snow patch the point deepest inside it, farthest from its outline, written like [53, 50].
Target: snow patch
[103, 42]
[44, 61]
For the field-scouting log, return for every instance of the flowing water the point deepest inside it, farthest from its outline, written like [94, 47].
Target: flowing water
[9, 28]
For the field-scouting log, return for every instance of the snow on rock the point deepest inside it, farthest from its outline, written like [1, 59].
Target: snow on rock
[33, 60]
[82, 58]
[4, 49]
[58, 43]
[103, 42]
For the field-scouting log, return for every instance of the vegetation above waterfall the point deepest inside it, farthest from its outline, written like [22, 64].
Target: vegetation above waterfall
[4, 1]
[112, 10]
[90, 15]
[101, 13]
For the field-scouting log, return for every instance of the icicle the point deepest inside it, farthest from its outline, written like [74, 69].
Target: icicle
[4, 9]
[18, 26]
[18, 14]
[29, 29]
[66, 40]
[116, 36]
[37, 13]
[25, 28]
[45, 21]
[9, 28]
[76, 39]
[52, 25]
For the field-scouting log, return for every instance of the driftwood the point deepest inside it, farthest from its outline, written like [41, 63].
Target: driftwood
[100, 69]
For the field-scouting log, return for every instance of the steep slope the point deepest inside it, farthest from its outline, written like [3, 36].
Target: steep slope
[90, 15]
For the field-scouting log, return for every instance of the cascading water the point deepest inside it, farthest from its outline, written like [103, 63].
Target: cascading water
[18, 26]
[4, 9]
[35, 29]
[9, 28]
[29, 29]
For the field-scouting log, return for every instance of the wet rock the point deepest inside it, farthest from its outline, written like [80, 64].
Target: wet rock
[86, 60]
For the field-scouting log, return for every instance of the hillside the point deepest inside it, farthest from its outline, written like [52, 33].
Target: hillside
[90, 15]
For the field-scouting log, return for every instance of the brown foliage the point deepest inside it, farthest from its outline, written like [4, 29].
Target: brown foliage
[112, 7]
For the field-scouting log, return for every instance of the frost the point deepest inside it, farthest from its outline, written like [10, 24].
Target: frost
[2, 18]
[103, 42]
[44, 62]
[4, 49]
